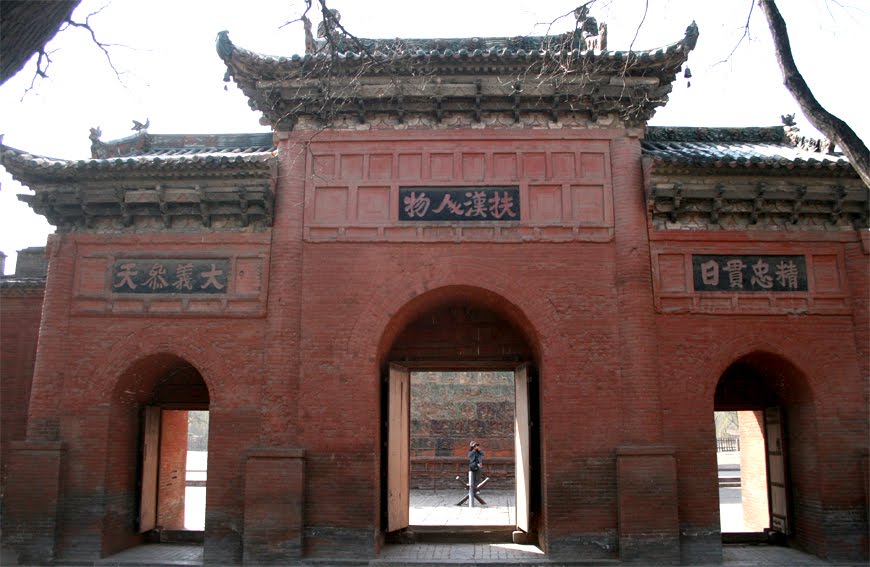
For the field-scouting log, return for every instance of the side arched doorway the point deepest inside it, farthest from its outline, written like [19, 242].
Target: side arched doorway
[159, 415]
[768, 481]
[461, 332]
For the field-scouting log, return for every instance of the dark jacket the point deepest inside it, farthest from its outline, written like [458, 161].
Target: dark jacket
[475, 459]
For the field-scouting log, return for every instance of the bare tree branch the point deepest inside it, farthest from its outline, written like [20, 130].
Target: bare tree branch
[745, 34]
[103, 46]
[302, 18]
[640, 25]
[43, 60]
[831, 126]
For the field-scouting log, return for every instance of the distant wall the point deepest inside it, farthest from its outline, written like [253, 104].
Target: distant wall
[448, 410]
[31, 263]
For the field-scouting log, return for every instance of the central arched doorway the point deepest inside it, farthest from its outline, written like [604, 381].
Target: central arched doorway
[475, 340]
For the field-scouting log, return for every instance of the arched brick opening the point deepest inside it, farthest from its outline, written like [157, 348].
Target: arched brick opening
[449, 310]
[775, 404]
[148, 414]
[464, 328]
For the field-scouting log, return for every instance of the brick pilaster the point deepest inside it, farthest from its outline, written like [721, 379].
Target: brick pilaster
[49, 371]
[283, 329]
[641, 408]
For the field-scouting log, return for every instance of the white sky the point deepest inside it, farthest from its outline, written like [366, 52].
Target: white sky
[172, 74]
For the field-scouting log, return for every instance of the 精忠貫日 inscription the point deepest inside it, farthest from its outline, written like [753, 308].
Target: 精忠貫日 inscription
[171, 276]
[741, 272]
[489, 203]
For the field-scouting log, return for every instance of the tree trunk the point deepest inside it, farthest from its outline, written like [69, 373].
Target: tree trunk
[834, 128]
[25, 27]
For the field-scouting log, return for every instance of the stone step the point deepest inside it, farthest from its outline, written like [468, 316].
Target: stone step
[453, 534]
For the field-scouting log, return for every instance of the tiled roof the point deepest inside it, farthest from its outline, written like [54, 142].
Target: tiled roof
[145, 144]
[486, 50]
[14, 282]
[739, 148]
[134, 158]
[750, 179]
[173, 181]
[358, 78]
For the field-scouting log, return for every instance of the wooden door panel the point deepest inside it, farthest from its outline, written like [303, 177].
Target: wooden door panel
[521, 446]
[398, 448]
[776, 474]
[150, 466]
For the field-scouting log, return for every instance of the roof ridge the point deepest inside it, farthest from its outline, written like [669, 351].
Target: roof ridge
[145, 143]
[725, 134]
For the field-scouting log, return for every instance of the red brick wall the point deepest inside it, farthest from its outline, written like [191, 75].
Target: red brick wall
[807, 368]
[648, 521]
[560, 298]
[274, 480]
[19, 330]
[296, 361]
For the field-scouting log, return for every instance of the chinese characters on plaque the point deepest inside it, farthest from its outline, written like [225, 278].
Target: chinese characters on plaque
[749, 273]
[459, 203]
[163, 276]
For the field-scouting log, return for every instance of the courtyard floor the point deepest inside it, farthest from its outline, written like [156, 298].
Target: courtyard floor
[438, 508]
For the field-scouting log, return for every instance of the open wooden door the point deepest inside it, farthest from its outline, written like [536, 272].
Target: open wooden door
[776, 474]
[398, 448]
[150, 465]
[522, 438]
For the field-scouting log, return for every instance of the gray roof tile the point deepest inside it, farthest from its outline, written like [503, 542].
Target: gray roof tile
[739, 148]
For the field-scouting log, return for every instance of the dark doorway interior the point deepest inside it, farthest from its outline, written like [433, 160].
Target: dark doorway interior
[752, 456]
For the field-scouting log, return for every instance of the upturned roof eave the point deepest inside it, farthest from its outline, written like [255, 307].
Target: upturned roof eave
[245, 65]
[285, 89]
[35, 170]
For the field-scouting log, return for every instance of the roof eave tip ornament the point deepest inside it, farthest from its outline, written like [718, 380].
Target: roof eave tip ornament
[691, 38]
[224, 46]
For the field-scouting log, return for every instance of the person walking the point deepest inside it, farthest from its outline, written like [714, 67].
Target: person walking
[475, 461]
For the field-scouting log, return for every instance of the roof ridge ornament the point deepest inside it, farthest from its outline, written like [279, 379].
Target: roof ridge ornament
[592, 34]
[98, 147]
[330, 33]
[818, 145]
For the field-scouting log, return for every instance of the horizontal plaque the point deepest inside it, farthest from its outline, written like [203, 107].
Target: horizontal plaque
[171, 276]
[494, 204]
[740, 272]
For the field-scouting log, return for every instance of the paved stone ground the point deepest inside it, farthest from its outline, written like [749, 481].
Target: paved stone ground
[455, 555]
[438, 508]
[156, 554]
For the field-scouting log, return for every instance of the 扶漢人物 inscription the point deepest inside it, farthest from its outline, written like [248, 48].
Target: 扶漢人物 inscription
[459, 203]
[171, 276]
[740, 272]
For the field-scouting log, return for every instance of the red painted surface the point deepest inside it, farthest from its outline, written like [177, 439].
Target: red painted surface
[626, 355]
[19, 330]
